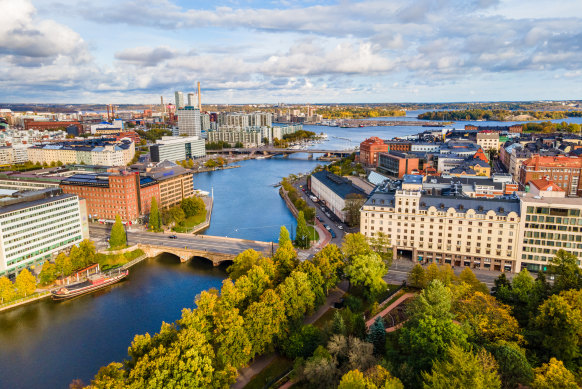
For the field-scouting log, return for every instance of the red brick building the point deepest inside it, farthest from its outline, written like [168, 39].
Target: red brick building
[134, 136]
[399, 145]
[30, 124]
[564, 171]
[107, 194]
[369, 150]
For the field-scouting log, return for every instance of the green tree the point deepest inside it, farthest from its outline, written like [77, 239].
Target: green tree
[353, 204]
[302, 343]
[155, 219]
[380, 243]
[331, 264]
[230, 339]
[554, 375]
[177, 215]
[118, 238]
[463, 369]
[283, 236]
[48, 273]
[25, 283]
[355, 244]
[559, 324]
[285, 259]
[502, 288]
[367, 271]
[568, 274]
[378, 377]
[264, 321]
[514, 368]
[337, 325]
[467, 276]
[83, 255]
[7, 291]
[377, 336]
[302, 238]
[417, 277]
[243, 262]
[297, 294]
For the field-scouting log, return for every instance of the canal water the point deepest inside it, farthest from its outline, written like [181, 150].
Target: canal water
[47, 344]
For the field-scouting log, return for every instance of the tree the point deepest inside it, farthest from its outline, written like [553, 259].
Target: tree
[177, 215]
[83, 255]
[514, 367]
[330, 262]
[353, 204]
[367, 271]
[63, 265]
[380, 243]
[355, 244]
[285, 258]
[435, 300]
[468, 277]
[489, 320]
[7, 291]
[302, 238]
[337, 325]
[264, 321]
[118, 238]
[283, 236]
[432, 273]
[554, 375]
[351, 353]
[502, 288]
[243, 262]
[303, 343]
[417, 277]
[297, 294]
[568, 274]
[559, 323]
[25, 283]
[230, 339]
[353, 379]
[377, 336]
[48, 273]
[155, 219]
[463, 369]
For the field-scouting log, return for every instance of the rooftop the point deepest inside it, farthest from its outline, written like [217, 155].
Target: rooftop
[339, 185]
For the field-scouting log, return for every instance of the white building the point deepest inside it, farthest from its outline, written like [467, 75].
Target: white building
[38, 225]
[179, 100]
[189, 121]
[333, 191]
[191, 99]
[177, 148]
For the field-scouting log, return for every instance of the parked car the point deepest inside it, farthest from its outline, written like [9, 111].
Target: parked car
[340, 226]
[332, 233]
[327, 227]
[319, 218]
[173, 237]
[327, 214]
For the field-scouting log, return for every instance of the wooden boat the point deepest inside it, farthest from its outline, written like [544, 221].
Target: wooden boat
[93, 283]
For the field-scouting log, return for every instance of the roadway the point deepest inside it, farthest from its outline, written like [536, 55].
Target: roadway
[100, 234]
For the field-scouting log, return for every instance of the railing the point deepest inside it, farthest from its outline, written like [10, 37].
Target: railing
[134, 261]
[20, 301]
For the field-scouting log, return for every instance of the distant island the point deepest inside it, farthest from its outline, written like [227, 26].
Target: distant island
[497, 115]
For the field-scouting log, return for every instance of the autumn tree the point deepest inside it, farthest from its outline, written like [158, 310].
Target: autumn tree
[353, 204]
[330, 262]
[355, 244]
[467, 276]
[25, 283]
[7, 291]
[417, 277]
[380, 243]
[554, 375]
[302, 237]
[48, 273]
[63, 265]
[244, 261]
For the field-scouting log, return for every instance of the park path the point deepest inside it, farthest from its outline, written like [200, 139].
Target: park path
[386, 310]
[247, 373]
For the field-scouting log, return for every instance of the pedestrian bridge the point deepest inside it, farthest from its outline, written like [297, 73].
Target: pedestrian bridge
[185, 253]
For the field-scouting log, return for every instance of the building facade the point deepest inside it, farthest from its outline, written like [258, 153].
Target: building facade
[189, 121]
[334, 191]
[488, 140]
[175, 183]
[177, 148]
[369, 150]
[397, 164]
[35, 227]
[563, 171]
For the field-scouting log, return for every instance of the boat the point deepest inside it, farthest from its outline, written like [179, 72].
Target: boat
[93, 283]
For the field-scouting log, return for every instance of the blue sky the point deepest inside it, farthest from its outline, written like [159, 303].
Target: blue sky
[132, 51]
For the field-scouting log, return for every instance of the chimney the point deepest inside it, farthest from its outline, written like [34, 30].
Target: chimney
[199, 98]
[108, 113]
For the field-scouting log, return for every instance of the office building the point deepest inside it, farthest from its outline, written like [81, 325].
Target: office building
[191, 99]
[249, 137]
[334, 191]
[369, 150]
[177, 148]
[36, 225]
[189, 121]
[175, 182]
[397, 164]
[488, 140]
[179, 100]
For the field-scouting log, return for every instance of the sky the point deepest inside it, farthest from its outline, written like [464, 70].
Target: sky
[301, 51]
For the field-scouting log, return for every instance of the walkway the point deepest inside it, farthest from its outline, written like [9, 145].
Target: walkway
[389, 308]
[247, 373]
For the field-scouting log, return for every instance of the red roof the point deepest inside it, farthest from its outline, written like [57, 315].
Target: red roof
[560, 161]
[544, 184]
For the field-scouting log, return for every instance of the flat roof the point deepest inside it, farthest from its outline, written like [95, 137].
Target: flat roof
[27, 204]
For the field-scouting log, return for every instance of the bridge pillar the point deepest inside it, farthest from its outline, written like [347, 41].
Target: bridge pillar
[310, 156]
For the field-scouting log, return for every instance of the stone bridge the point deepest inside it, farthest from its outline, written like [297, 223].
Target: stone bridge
[185, 253]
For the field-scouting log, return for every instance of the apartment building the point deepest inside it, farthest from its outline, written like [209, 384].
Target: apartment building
[102, 152]
[334, 191]
[37, 225]
[488, 140]
[189, 121]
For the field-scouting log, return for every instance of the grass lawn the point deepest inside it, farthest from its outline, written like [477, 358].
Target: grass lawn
[115, 260]
[276, 368]
[191, 222]
[313, 235]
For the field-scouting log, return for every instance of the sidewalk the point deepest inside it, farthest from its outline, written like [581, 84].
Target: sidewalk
[247, 373]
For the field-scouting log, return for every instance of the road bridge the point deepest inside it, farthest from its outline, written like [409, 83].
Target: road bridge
[216, 249]
[282, 151]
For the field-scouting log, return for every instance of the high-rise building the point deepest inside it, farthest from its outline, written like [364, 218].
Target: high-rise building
[177, 148]
[189, 121]
[179, 100]
[191, 99]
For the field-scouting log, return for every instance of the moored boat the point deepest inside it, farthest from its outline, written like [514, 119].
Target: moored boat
[93, 283]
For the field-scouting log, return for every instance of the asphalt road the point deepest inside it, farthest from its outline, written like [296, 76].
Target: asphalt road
[100, 234]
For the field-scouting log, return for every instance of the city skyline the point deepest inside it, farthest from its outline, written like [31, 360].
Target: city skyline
[265, 52]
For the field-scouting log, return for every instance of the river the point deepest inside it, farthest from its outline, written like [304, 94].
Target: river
[47, 344]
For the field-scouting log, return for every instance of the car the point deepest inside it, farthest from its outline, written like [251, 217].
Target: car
[332, 234]
[303, 189]
[327, 227]
[327, 214]
[340, 226]
[173, 237]
[319, 218]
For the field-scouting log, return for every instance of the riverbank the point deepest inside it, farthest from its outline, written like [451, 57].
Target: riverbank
[26, 300]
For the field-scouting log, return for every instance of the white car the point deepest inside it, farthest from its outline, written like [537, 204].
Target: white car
[340, 227]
